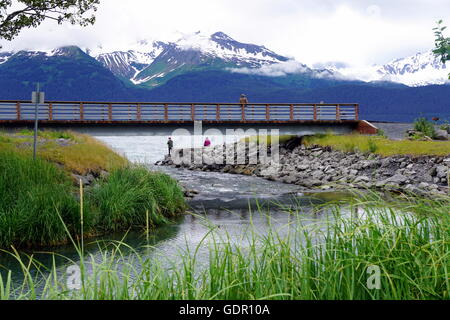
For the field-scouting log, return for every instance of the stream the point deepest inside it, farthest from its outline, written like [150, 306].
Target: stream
[227, 202]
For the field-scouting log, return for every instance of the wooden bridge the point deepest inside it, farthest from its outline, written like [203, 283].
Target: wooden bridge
[152, 112]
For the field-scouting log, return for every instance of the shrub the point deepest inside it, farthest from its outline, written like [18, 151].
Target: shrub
[424, 126]
[381, 133]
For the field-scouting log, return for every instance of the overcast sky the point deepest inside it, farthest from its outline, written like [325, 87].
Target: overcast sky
[357, 32]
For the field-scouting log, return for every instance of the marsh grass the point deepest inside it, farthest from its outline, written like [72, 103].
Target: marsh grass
[331, 262]
[124, 197]
[79, 153]
[34, 193]
[30, 193]
[267, 139]
[380, 145]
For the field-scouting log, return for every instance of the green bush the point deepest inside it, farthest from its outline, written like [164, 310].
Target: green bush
[381, 133]
[425, 126]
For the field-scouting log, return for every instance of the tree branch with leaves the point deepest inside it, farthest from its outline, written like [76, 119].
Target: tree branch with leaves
[19, 14]
[442, 43]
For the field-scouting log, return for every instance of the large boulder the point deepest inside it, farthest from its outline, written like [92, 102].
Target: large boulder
[441, 135]
[441, 171]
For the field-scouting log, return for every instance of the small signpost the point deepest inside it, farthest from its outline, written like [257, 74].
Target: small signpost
[37, 97]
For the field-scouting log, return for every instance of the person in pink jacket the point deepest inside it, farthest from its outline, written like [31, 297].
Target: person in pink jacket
[207, 142]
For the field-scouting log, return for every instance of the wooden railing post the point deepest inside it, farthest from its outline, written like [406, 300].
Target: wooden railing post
[138, 112]
[243, 112]
[110, 112]
[315, 112]
[18, 110]
[166, 113]
[291, 117]
[356, 111]
[338, 112]
[50, 111]
[267, 112]
[218, 112]
[193, 112]
[81, 112]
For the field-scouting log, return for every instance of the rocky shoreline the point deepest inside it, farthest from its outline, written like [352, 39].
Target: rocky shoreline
[321, 168]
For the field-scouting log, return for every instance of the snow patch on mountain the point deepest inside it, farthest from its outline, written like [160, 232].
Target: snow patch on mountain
[420, 69]
[129, 63]
[224, 47]
[4, 56]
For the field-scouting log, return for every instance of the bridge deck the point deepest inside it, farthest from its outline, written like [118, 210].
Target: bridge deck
[153, 112]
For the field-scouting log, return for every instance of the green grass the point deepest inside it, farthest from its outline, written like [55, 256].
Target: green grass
[31, 192]
[380, 145]
[268, 139]
[411, 249]
[126, 195]
[35, 194]
[81, 153]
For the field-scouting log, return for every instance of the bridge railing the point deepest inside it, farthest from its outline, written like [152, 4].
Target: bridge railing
[63, 111]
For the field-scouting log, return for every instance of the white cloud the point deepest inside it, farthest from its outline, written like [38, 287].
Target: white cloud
[357, 32]
[275, 70]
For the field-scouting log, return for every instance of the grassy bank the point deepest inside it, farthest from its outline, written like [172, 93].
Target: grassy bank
[267, 139]
[36, 195]
[380, 145]
[409, 246]
[78, 153]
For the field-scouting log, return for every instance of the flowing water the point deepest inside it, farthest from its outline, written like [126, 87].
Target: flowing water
[229, 203]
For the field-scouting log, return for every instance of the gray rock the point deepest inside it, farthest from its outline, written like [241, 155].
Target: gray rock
[84, 180]
[397, 179]
[317, 175]
[432, 172]
[423, 185]
[441, 135]
[302, 167]
[441, 171]
[362, 179]
[289, 179]
[309, 183]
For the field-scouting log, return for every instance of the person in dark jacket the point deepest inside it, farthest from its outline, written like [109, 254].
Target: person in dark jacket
[170, 145]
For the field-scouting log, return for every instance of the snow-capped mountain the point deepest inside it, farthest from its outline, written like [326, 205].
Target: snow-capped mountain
[128, 64]
[4, 56]
[151, 63]
[156, 62]
[418, 70]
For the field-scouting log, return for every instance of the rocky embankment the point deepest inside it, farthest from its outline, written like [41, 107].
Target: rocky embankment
[318, 167]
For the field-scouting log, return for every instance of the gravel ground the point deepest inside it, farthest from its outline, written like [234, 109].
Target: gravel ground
[394, 131]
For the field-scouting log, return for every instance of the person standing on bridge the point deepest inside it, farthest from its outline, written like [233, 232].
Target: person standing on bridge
[243, 100]
[170, 145]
